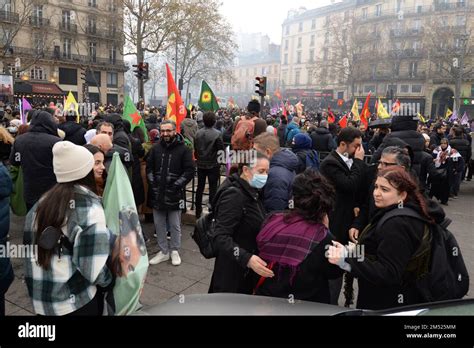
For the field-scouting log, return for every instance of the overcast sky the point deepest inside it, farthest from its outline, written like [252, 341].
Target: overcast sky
[246, 15]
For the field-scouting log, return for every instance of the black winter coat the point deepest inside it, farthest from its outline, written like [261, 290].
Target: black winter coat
[239, 217]
[347, 183]
[383, 282]
[169, 169]
[435, 139]
[463, 146]
[322, 140]
[120, 136]
[74, 132]
[5, 150]
[281, 131]
[138, 152]
[207, 144]
[35, 149]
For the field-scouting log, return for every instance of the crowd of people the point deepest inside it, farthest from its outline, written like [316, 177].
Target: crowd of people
[311, 188]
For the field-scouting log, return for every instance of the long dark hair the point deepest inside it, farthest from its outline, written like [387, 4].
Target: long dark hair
[401, 180]
[313, 197]
[54, 209]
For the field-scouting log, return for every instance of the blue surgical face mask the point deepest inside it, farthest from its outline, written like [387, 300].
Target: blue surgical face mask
[258, 181]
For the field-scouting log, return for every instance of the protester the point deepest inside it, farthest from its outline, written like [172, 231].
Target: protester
[74, 132]
[385, 273]
[6, 143]
[283, 166]
[169, 169]
[281, 131]
[439, 132]
[189, 128]
[441, 188]
[33, 151]
[239, 216]
[322, 139]
[208, 147]
[294, 243]
[100, 174]
[138, 152]
[6, 270]
[307, 157]
[70, 279]
[292, 129]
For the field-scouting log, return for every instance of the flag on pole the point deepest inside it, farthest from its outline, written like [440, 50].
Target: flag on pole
[465, 119]
[129, 259]
[71, 104]
[343, 121]
[331, 116]
[278, 94]
[131, 114]
[454, 117]
[448, 114]
[365, 114]
[381, 111]
[420, 116]
[283, 109]
[25, 107]
[207, 100]
[175, 110]
[355, 111]
[396, 107]
[227, 160]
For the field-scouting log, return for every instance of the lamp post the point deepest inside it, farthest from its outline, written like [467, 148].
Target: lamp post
[458, 64]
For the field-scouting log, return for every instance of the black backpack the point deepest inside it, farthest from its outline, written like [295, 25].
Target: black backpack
[447, 277]
[204, 230]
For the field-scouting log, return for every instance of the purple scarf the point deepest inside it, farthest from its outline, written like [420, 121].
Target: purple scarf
[288, 243]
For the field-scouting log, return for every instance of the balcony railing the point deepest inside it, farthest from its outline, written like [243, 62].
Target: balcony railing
[37, 21]
[406, 33]
[68, 27]
[92, 31]
[405, 53]
[68, 57]
[10, 17]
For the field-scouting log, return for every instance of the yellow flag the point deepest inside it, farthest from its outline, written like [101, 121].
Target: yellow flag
[71, 104]
[381, 111]
[448, 114]
[355, 111]
[421, 118]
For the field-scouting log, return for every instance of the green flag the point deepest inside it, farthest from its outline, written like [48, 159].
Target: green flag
[131, 114]
[207, 100]
[129, 261]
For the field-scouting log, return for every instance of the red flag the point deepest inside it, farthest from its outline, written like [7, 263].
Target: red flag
[365, 114]
[343, 122]
[285, 114]
[175, 111]
[396, 107]
[278, 94]
[331, 117]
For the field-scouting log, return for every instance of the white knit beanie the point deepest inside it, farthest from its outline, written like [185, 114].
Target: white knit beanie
[71, 162]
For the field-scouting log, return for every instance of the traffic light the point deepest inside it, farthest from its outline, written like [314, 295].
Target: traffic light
[261, 86]
[145, 71]
[139, 71]
[84, 76]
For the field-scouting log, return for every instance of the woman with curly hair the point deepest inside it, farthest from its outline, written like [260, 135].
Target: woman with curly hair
[294, 243]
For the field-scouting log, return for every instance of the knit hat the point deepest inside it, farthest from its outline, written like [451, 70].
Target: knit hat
[89, 135]
[426, 136]
[400, 123]
[71, 162]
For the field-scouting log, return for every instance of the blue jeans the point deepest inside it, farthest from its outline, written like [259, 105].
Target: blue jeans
[174, 220]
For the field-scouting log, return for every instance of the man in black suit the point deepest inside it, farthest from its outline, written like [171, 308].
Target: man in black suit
[344, 168]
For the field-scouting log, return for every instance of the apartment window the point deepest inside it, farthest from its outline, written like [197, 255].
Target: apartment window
[93, 78]
[286, 44]
[285, 59]
[112, 5]
[439, 67]
[378, 10]
[67, 76]
[399, 5]
[298, 57]
[417, 24]
[67, 44]
[37, 73]
[416, 45]
[374, 71]
[300, 27]
[311, 55]
[112, 29]
[92, 3]
[310, 76]
[461, 3]
[276, 69]
[444, 21]
[38, 42]
[416, 88]
[93, 51]
[5, 5]
[460, 21]
[284, 77]
[326, 37]
[472, 90]
[328, 21]
[38, 13]
[287, 30]
[66, 19]
[91, 25]
[313, 24]
[297, 77]
[112, 79]
[369, 88]
[404, 88]
[300, 42]
[413, 69]
[313, 39]
[365, 12]
[112, 54]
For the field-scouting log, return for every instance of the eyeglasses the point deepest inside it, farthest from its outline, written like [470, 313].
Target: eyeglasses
[387, 164]
[166, 131]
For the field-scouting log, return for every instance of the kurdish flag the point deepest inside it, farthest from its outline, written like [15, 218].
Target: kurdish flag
[355, 111]
[175, 110]
[129, 259]
[207, 100]
[381, 111]
[130, 113]
[71, 104]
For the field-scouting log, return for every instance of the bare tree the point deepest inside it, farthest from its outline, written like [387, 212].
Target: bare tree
[449, 49]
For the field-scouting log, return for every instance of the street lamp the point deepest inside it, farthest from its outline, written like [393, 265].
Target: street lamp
[458, 64]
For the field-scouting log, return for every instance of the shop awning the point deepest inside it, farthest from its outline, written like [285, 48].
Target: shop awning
[46, 88]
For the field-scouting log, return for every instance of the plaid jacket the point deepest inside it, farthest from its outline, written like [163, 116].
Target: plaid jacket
[71, 281]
